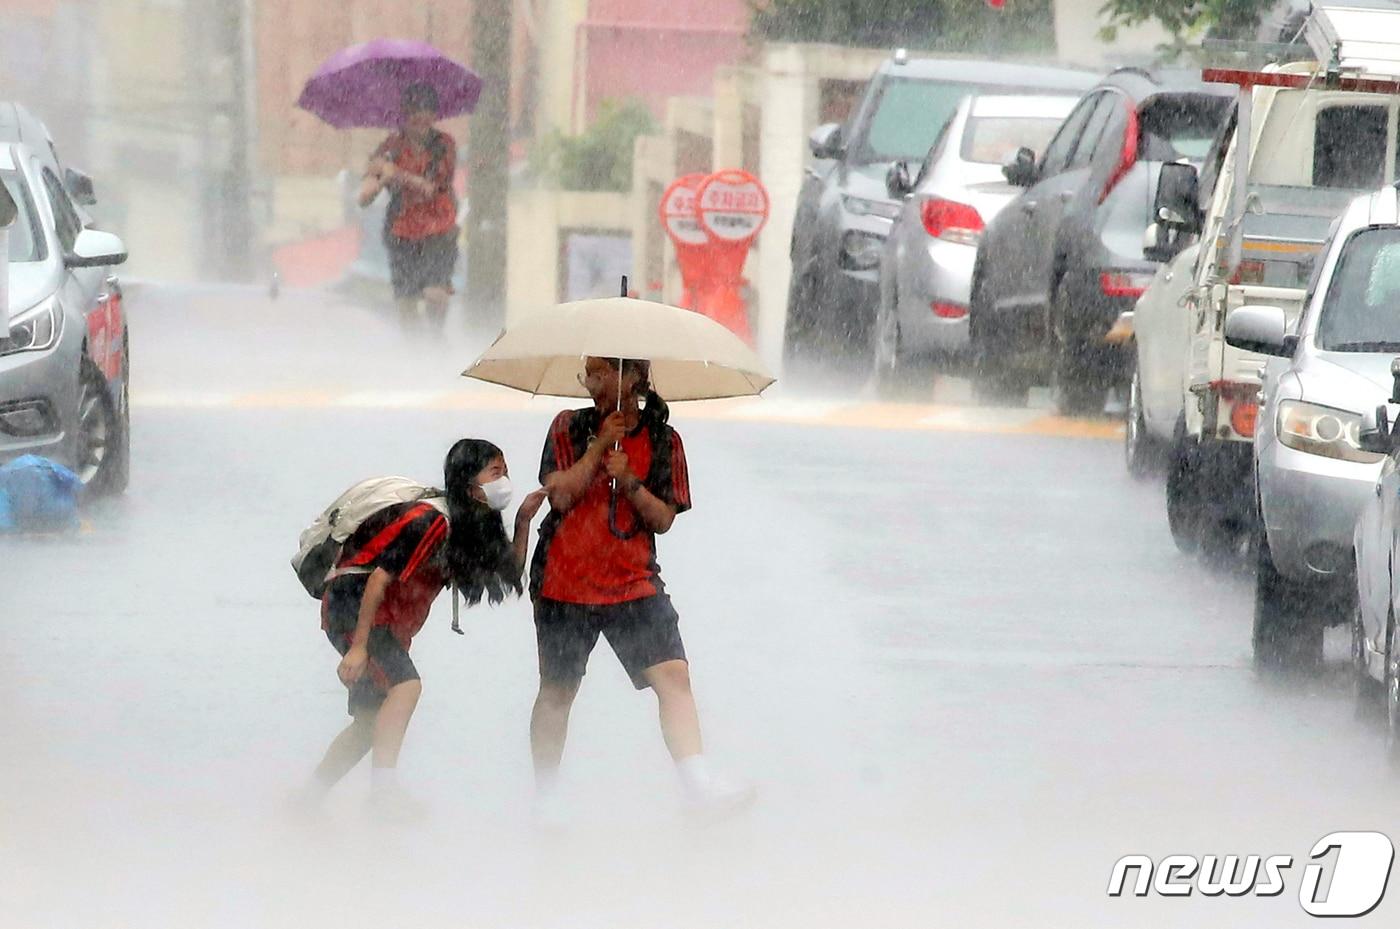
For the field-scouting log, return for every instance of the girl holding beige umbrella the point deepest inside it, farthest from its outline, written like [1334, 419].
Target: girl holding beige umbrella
[616, 477]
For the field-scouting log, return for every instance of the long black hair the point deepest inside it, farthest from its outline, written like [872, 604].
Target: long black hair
[655, 412]
[479, 556]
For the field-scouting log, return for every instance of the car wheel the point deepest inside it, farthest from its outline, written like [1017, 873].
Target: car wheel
[121, 466]
[894, 372]
[1392, 695]
[801, 334]
[97, 453]
[995, 382]
[1078, 389]
[885, 348]
[1142, 452]
[1184, 509]
[1287, 636]
[1370, 693]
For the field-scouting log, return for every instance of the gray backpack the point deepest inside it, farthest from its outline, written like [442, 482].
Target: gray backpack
[320, 545]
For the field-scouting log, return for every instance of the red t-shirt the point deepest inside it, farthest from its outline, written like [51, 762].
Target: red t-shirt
[584, 560]
[413, 555]
[420, 216]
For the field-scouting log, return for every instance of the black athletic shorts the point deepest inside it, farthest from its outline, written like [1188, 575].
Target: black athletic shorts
[389, 663]
[417, 264]
[642, 633]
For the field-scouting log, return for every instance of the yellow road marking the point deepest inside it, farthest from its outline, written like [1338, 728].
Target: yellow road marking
[898, 417]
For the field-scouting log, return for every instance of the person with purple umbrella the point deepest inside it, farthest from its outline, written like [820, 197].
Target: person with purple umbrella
[416, 165]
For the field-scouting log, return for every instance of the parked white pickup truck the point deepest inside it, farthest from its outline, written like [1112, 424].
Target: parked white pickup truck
[1311, 145]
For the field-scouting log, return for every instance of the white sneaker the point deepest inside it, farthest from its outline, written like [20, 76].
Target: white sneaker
[549, 813]
[305, 804]
[390, 804]
[720, 800]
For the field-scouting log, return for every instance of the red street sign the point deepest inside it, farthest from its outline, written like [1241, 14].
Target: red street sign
[733, 206]
[679, 219]
[678, 211]
[712, 221]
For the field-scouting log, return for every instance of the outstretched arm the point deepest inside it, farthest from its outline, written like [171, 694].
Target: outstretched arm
[523, 516]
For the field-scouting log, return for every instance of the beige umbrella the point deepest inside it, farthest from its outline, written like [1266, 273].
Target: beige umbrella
[692, 356]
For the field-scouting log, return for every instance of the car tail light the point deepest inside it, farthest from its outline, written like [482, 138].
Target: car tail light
[951, 221]
[948, 310]
[1123, 283]
[1243, 402]
[1244, 416]
[1127, 157]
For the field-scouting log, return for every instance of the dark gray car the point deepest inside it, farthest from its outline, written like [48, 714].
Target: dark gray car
[1057, 267]
[844, 211]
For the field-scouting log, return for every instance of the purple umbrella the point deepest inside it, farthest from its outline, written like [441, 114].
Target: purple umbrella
[361, 86]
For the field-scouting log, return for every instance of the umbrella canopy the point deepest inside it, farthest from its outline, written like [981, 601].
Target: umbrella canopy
[362, 86]
[692, 356]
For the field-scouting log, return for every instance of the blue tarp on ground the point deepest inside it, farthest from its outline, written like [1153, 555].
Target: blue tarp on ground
[36, 493]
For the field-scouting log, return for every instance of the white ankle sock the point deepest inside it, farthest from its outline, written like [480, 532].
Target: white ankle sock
[695, 774]
[383, 778]
[546, 781]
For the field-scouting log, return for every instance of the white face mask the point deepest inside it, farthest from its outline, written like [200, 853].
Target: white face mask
[498, 493]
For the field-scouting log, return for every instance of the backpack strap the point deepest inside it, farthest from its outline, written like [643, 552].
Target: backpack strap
[359, 562]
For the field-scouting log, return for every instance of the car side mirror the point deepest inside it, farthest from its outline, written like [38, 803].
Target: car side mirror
[826, 142]
[79, 187]
[1377, 435]
[1259, 329]
[94, 249]
[1020, 170]
[1176, 204]
[897, 181]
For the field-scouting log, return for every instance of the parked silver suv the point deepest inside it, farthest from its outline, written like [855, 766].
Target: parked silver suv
[1312, 473]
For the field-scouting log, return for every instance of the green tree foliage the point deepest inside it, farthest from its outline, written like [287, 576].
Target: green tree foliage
[600, 158]
[1189, 20]
[936, 25]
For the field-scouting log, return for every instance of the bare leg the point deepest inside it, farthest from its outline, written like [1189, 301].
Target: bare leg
[346, 751]
[549, 725]
[392, 722]
[408, 311]
[710, 793]
[435, 300]
[680, 721]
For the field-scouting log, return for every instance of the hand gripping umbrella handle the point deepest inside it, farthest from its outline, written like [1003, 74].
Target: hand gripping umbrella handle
[613, 527]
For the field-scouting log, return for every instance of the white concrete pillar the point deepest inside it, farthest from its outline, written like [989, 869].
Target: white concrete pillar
[782, 151]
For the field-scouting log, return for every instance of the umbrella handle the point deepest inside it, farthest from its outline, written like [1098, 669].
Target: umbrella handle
[612, 520]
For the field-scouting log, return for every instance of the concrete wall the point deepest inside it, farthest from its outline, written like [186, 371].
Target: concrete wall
[539, 219]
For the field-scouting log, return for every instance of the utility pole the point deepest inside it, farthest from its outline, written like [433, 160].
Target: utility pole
[488, 164]
[226, 190]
